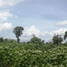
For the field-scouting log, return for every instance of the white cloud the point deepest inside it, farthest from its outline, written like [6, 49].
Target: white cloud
[62, 23]
[32, 30]
[5, 26]
[4, 3]
[60, 31]
[4, 15]
[27, 34]
[28, 31]
[43, 35]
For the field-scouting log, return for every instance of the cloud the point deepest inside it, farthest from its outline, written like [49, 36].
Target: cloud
[5, 3]
[60, 31]
[5, 26]
[28, 31]
[47, 36]
[62, 23]
[4, 15]
[32, 30]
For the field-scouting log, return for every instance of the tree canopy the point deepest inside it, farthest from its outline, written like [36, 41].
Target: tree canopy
[36, 40]
[57, 39]
[18, 32]
[65, 36]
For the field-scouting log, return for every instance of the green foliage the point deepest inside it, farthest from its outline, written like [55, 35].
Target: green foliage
[9, 40]
[1, 39]
[6, 40]
[12, 40]
[65, 36]
[32, 55]
[57, 39]
[18, 32]
[36, 40]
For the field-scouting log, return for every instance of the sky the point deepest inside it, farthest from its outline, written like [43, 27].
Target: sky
[44, 18]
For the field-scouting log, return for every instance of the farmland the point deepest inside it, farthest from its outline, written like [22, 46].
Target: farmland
[32, 55]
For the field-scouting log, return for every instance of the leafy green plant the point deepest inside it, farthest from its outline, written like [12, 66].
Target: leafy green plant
[32, 55]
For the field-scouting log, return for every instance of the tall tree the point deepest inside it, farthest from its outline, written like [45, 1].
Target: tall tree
[1, 39]
[65, 36]
[18, 32]
[57, 39]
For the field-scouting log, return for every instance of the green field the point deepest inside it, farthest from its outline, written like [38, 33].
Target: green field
[32, 55]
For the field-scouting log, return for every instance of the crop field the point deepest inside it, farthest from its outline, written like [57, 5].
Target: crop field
[32, 55]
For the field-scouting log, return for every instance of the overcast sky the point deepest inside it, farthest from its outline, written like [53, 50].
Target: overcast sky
[44, 18]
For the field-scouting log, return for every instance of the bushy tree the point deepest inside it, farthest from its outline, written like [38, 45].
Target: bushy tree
[65, 36]
[43, 41]
[1, 39]
[36, 40]
[18, 32]
[6, 40]
[57, 39]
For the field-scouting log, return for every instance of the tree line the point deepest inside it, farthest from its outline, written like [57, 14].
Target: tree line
[57, 39]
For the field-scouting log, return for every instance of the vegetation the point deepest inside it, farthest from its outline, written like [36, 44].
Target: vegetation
[57, 39]
[18, 32]
[36, 40]
[34, 53]
[65, 36]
